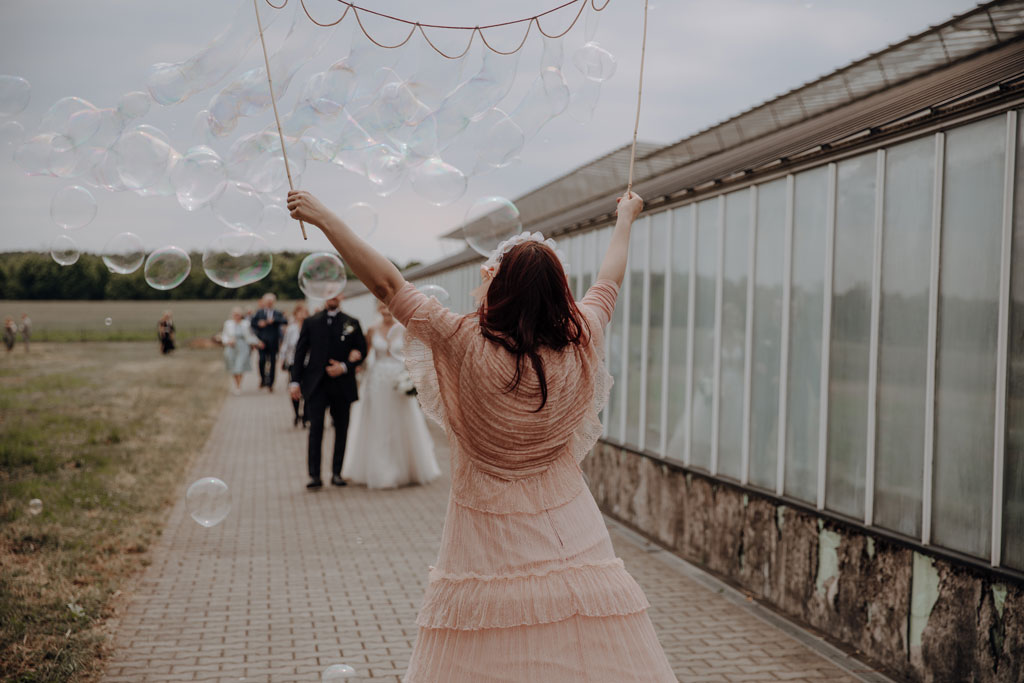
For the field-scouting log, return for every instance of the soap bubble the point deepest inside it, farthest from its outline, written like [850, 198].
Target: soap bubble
[63, 250]
[108, 321]
[503, 140]
[489, 222]
[145, 157]
[336, 672]
[276, 219]
[385, 167]
[166, 83]
[594, 62]
[124, 253]
[239, 207]
[438, 182]
[322, 275]
[167, 267]
[134, 105]
[46, 154]
[236, 259]
[11, 133]
[15, 93]
[362, 218]
[72, 207]
[73, 118]
[439, 293]
[35, 506]
[199, 178]
[208, 501]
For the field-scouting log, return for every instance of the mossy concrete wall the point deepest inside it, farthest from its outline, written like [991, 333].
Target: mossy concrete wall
[925, 618]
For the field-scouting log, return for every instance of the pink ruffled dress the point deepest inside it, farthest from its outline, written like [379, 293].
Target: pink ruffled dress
[527, 586]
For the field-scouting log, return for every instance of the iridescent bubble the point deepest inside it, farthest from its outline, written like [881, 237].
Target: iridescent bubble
[199, 178]
[438, 182]
[385, 167]
[328, 91]
[167, 267]
[594, 62]
[322, 275]
[63, 250]
[108, 321]
[208, 501]
[166, 83]
[439, 293]
[362, 218]
[35, 506]
[104, 173]
[489, 222]
[72, 207]
[502, 140]
[124, 253]
[236, 259]
[73, 118]
[46, 154]
[15, 92]
[11, 133]
[144, 157]
[238, 207]
[134, 105]
[276, 219]
[336, 672]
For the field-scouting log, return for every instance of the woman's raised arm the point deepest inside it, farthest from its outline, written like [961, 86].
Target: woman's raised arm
[376, 272]
[613, 267]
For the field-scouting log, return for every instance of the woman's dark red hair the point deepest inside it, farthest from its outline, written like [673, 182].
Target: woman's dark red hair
[528, 306]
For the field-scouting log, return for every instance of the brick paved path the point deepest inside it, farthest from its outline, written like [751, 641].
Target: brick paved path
[293, 581]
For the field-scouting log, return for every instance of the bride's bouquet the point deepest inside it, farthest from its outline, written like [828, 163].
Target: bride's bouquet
[403, 384]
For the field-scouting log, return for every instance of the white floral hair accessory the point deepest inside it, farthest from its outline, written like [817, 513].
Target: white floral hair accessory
[490, 267]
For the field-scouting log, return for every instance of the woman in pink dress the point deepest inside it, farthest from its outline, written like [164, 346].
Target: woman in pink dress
[527, 586]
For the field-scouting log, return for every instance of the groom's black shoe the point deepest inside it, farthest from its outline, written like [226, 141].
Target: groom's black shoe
[315, 484]
[338, 481]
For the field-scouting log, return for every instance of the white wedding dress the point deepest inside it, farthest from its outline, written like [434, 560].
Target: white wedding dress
[388, 444]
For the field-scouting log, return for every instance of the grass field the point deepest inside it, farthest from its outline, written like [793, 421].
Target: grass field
[129, 320]
[102, 434]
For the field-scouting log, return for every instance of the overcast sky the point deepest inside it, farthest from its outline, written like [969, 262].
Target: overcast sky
[706, 61]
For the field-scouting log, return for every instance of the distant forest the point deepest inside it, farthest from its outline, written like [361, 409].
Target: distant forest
[31, 275]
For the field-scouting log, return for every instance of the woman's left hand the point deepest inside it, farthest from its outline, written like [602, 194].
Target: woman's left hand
[304, 206]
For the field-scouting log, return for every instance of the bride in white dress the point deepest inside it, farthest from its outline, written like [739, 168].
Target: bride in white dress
[389, 445]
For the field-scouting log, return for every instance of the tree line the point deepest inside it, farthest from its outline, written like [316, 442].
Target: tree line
[32, 275]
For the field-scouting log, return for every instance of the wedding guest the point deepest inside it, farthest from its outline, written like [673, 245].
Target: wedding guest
[165, 332]
[291, 339]
[238, 339]
[267, 322]
[26, 330]
[526, 586]
[10, 333]
[390, 445]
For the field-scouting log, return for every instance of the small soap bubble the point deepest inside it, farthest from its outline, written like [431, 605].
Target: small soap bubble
[199, 178]
[439, 182]
[46, 154]
[489, 222]
[35, 506]
[594, 62]
[167, 267]
[74, 118]
[236, 259]
[63, 250]
[11, 133]
[276, 219]
[238, 207]
[144, 157]
[124, 253]
[15, 92]
[439, 293]
[208, 501]
[322, 275]
[72, 207]
[166, 83]
[336, 672]
[385, 167]
[362, 218]
[108, 321]
[134, 105]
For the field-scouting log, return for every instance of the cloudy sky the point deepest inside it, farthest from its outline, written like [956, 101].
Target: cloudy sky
[706, 60]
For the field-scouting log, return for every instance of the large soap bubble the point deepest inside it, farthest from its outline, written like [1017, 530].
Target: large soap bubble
[489, 222]
[167, 267]
[73, 118]
[385, 167]
[124, 253]
[438, 182]
[322, 275]
[337, 672]
[439, 293]
[11, 133]
[236, 259]
[134, 105]
[144, 157]
[594, 62]
[208, 501]
[362, 218]
[199, 178]
[46, 154]
[63, 250]
[15, 92]
[276, 219]
[72, 207]
[239, 207]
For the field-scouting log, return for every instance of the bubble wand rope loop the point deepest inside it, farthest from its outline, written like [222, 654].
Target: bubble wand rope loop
[639, 96]
[273, 102]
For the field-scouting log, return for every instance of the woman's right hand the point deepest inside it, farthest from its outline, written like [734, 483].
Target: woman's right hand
[629, 206]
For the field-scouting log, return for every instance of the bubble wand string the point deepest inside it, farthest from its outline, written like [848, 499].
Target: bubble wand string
[273, 101]
[639, 96]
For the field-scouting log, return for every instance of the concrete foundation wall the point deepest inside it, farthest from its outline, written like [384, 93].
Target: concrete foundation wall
[925, 618]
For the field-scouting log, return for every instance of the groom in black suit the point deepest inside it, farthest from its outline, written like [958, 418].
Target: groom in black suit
[331, 345]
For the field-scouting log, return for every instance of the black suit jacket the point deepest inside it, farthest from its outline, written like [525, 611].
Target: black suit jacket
[269, 334]
[312, 353]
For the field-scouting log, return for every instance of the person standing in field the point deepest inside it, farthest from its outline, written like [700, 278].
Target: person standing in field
[26, 330]
[165, 333]
[267, 323]
[291, 339]
[238, 340]
[10, 333]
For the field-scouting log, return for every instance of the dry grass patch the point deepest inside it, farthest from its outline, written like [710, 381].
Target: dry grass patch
[102, 434]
